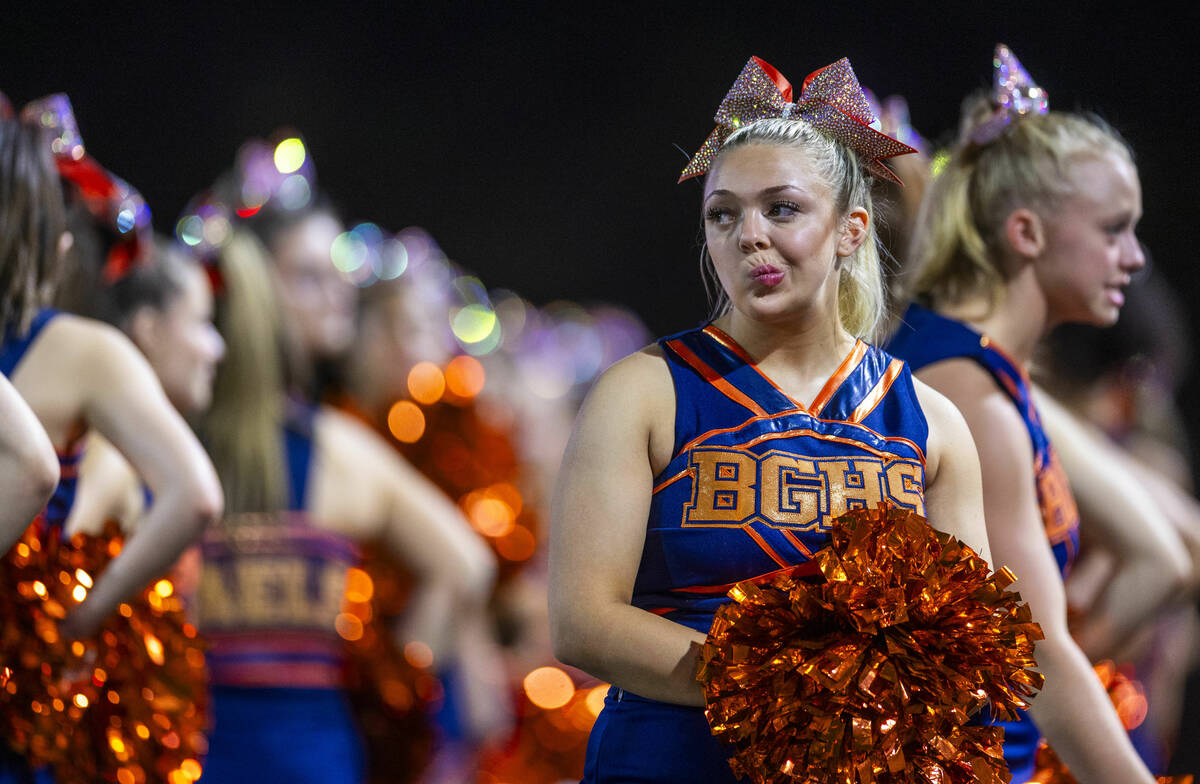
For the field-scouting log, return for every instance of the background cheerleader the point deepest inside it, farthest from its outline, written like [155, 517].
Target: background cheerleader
[1030, 223]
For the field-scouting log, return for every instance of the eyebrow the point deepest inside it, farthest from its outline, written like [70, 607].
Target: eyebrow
[764, 192]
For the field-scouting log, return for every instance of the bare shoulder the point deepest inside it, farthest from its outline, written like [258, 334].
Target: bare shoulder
[347, 438]
[633, 400]
[999, 432]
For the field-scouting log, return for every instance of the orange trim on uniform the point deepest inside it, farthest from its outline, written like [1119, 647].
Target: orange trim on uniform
[803, 568]
[667, 482]
[722, 337]
[714, 378]
[846, 367]
[799, 545]
[718, 431]
[766, 548]
[844, 370]
[876, 395]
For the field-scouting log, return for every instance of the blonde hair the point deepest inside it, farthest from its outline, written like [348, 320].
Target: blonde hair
[956, 247]
[242, 429]
[861, 300]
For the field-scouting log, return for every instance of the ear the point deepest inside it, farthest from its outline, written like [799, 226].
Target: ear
[143, 327]
[1025, 232]
[854, 231]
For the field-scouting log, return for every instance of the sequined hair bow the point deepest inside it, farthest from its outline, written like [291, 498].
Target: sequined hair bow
[114, 203]
[1014, 95]
[831, 100]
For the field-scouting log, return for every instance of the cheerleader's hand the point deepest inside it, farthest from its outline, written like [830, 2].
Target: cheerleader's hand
[80, 624]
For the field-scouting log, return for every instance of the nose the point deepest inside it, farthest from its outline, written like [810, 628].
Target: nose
[753, 235]
[1135, 255]
[216, 344]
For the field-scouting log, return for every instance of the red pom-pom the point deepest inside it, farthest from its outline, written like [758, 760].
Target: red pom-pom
[869, 672]
[127, 705]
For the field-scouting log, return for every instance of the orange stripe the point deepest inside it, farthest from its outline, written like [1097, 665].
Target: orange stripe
[799, 545]
[672, 480]
[826, 437]
[804, 568]
[848, 364]
[715, 378]
[718, 431]
[766, 548]
[877, 392]
[719, 335]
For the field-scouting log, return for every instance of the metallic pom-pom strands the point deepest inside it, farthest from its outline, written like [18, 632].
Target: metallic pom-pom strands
[126, 706]
[868, 670]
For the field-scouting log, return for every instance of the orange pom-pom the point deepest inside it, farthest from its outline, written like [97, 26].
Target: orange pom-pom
[128, 704]
[869, 670]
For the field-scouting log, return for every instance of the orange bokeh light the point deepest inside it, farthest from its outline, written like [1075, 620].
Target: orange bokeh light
[518, 545]
[465, 377]
[348, 626]
[595, 699]
[406, 422]
[549, 688]
[359, 586]
[418, 654]
[491, 516]
[426, 383]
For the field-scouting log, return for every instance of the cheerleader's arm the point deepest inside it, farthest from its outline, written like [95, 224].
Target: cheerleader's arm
[28, 466]
[953, 485]
[598, 527]
[123, 400]
[1072, 710]
[1152, 563]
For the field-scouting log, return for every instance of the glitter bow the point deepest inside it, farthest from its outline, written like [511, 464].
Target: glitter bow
[831, 100]
[1014, 94]
[114, 203]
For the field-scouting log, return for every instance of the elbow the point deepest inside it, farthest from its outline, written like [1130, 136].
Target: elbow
[43, 474]
[202, 504]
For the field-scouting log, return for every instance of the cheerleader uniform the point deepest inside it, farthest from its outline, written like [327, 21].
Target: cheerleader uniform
[50, 522]
[754, 486]
[270, 593]
[926, 337]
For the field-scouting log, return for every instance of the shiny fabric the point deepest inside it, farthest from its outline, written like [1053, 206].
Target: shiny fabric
[756, 479]
[925, 337]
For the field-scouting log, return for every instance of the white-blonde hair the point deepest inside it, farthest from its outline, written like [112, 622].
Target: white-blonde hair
[861, 299]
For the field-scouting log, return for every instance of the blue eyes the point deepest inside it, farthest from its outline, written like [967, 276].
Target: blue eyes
[779, 209]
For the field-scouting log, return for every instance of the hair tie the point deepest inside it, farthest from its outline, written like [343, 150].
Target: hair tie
[831, 100]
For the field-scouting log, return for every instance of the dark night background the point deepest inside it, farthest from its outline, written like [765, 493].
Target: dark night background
[537, 143]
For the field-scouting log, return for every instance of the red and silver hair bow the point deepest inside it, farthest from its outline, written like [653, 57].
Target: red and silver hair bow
[1014, 94]
[114, 203]
[831, 100]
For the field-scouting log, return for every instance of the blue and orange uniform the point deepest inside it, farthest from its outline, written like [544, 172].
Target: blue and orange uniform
[755, 482]
[13, 349]
[926, 337]
[270, 592]
[53, 518]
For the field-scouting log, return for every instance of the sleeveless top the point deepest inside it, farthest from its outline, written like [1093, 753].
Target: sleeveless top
[757, 477]
[12, 350]
[926, 337]
[272, 587]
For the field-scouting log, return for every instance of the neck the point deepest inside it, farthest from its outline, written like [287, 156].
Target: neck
[1019, 318]
[797, 343]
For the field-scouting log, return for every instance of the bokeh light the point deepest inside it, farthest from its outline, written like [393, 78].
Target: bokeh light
[595, 699]
[426, 383]
[549, 687]
[518, 545]
[418, 654]
[406, 422]
[359, 586]
[289, 155]
[465, 377]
